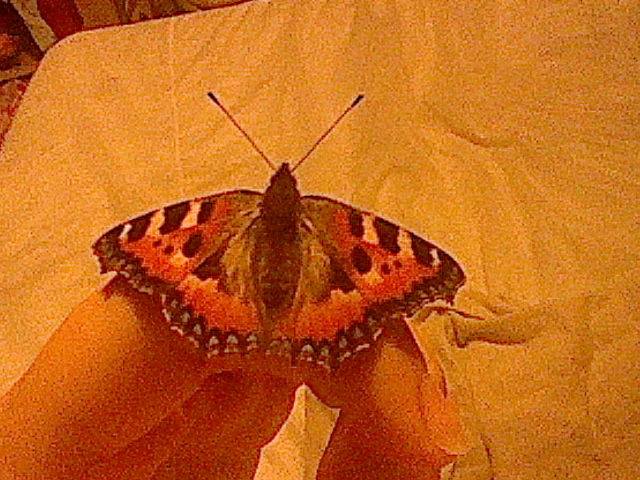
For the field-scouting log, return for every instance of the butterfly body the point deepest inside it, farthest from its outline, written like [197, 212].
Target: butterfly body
[277, 253]
[307, 277]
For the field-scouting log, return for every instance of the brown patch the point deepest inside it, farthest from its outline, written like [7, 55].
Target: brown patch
[387, 234]
[173, 217]
[206, 209]
[421, 250]
[340, 280]
[356, 223]
[139, 227]
[192, 245]
[210, 268]
[361, 260]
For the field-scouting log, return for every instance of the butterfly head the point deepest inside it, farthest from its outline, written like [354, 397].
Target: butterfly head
[281, 204]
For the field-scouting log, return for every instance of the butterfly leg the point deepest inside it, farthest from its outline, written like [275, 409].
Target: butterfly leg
[503, 324]
[453, 332]
[442, 310]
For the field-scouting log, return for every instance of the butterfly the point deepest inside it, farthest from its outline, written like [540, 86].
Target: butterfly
[307, 277]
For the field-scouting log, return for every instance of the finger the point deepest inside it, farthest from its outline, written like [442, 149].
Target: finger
[217, 433]
[397, 408]
[358, 448]
[110, 373]
[141, 459]
[410, 388]
[230, 418]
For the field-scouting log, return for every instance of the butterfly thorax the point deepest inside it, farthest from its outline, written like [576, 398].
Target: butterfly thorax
[277, 257]
[280, 209]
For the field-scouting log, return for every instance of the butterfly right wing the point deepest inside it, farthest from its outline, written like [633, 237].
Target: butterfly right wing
[360, 271]
[195, 256]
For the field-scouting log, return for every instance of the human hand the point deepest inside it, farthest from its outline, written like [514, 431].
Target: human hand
[116, 394]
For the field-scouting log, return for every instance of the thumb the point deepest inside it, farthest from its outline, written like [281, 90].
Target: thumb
[110, 373]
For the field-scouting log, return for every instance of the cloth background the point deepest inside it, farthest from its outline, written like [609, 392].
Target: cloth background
[507, 134]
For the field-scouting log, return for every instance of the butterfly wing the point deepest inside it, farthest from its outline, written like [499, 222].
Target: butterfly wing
[360, 270]
[194, 254]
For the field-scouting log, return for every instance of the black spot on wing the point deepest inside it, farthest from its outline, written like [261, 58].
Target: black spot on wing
[385, 269]
[139, 227]
[211, 267]
[422, 250]
[192, 245]
[387, 234]
[361, 260]
[356, 223]
[340, 280]
[173, 217]
[206, 209]
[168, 250]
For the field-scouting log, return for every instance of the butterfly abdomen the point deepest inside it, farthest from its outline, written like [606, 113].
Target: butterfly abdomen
[278, 268]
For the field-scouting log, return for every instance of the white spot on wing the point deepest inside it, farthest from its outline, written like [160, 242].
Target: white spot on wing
[194, 282]
[344, 355]
[252, 342]
[357, 333]
[157, 219]
[434, 255]
[176, 328]
[178, 259]
[350, 297]
[370, 234]
[191, 219]
[373, 277]
[125, 231]
[404, 242]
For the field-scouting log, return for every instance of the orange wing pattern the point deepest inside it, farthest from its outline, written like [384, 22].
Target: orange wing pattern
[375, 271]
[177, 252]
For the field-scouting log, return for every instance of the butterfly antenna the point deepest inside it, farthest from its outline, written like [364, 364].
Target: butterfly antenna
[246, 135]
[357, 100]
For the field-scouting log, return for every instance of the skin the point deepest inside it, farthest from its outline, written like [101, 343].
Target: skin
[116, 394]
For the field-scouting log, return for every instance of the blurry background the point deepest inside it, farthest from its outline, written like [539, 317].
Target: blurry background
[30, 27]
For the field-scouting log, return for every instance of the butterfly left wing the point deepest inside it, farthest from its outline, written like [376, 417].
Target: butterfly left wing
[371, 270]
[191, 254]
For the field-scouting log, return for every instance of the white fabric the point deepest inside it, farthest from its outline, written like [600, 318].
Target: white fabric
[507, 134]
